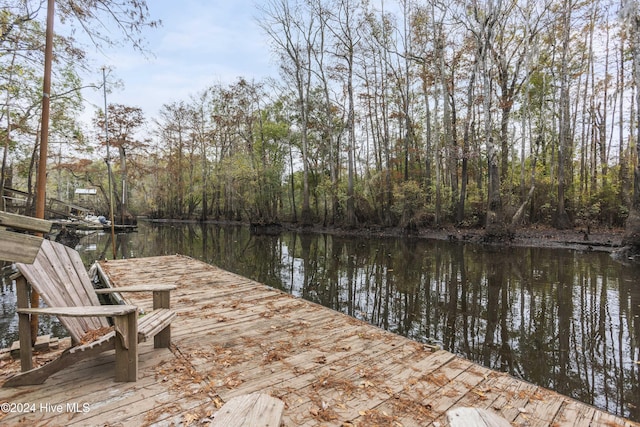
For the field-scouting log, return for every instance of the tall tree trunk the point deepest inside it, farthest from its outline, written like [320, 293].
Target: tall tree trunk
[305, 214]
[428, 136]
[386, 133]
[446, 117]
[7, 136]
[632, 228]
[561, 220]
[351, 211]
[294, 210]
[348, 44]
[495, 227]
[449, 131]
[468, 132]
[623, 171]
[333, 142]
[604, 158]
[123, 176]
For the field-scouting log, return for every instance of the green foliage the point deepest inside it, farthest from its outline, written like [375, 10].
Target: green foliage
[409, 200]
[603, 207]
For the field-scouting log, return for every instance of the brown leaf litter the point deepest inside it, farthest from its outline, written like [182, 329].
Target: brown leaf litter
[94, 334]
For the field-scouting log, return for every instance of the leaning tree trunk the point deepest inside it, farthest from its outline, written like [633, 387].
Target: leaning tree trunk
[631, 239]
[632, 228]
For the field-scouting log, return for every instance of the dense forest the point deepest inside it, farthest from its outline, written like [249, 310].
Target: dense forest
[492, 113]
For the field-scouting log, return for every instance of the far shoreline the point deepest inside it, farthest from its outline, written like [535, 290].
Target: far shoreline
[603, 239]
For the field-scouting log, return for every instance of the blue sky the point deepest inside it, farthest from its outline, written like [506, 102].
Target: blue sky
[201, 42]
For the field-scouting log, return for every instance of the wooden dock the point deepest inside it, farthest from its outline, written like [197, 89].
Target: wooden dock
[235, 336]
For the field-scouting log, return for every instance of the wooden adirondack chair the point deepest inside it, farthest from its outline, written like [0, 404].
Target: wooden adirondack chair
[58, 275]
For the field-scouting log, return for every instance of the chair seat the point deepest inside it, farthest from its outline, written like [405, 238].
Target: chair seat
[151, 324]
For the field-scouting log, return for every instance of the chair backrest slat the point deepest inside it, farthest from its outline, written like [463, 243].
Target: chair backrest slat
[18, 247]
[80, 272]
[25, 223]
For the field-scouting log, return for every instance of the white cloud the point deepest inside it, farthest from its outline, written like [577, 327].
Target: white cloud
[200, 43]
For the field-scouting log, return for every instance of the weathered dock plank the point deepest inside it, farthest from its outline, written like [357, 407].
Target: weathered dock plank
[233, 336]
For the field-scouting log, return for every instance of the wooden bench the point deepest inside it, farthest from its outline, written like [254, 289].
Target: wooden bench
[58, 274]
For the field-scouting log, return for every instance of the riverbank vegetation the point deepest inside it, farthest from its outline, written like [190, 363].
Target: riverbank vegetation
[396, 114]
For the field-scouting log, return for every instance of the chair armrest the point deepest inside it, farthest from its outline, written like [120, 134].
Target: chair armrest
[161, 293]
[137, 288]
[88, 311]
[124, 318]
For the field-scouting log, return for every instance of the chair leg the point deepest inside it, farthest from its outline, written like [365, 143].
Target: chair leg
[162, 338]
[127, 347]
[26, 351]
[24, 325]
[162, 299]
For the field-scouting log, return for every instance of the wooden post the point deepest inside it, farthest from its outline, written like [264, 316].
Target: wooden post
[24, 327]
[161, 299]
[127, 347]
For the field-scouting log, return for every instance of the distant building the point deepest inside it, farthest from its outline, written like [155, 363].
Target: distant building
[86, 191]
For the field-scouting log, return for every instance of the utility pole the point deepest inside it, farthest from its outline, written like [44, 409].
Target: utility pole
[41, 178]
[106, 140]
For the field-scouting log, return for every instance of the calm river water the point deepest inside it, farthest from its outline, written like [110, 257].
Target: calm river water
[565, 320]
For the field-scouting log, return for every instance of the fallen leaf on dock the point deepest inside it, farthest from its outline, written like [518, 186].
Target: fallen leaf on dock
[320, 359]
[323, 413]
[94, 334]
[218, 402]
[189, 418]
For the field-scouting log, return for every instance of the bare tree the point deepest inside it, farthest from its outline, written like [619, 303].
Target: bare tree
[331, 131]
[631, 15]
[562, 220]
[346, 39]
[98, 17]
[486, 19]
[377, 47]
[123, 123]
[293, 36]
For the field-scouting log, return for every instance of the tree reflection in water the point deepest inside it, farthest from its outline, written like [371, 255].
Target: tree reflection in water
[565, 320]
